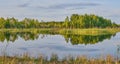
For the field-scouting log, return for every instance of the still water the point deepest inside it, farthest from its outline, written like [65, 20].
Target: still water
[13, 44]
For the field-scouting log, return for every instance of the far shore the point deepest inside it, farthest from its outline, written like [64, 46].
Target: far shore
[85, 31]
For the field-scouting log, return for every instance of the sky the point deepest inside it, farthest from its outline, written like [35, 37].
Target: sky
[57, 10]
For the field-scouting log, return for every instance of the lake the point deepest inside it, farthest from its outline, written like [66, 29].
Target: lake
[36, 44]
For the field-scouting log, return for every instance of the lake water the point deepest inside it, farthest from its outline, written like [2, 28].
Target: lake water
[62, 45]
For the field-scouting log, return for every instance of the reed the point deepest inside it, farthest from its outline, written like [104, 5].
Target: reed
[55, 60]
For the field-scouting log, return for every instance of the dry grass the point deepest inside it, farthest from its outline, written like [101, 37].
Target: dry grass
[54, 60]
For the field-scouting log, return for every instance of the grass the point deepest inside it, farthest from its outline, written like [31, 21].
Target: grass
[90, 31]
[54, 60]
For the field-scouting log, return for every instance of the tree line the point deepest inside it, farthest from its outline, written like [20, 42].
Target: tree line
[88, 21]
[75, 21]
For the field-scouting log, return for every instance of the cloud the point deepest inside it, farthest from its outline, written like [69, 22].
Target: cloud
[114, 15]
[77, 8]
[24, 5]
[70, 6]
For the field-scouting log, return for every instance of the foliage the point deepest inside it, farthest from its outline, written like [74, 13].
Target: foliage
[90, 21]
[75, 21]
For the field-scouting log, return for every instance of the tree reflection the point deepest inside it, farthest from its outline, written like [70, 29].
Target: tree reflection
[74, 39]
[86, 39]
[12, 36]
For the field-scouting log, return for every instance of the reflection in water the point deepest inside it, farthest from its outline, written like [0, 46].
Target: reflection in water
[46, 43]
[87, 39]
[12, 36]
[74, 39]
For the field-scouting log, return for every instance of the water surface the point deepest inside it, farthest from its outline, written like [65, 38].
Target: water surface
[36, 44]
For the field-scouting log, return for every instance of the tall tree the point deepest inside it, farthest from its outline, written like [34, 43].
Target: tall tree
[66, 23]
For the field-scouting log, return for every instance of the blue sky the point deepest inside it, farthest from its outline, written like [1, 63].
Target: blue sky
[49, 10]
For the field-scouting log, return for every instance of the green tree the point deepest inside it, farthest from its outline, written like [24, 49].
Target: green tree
[66, 23]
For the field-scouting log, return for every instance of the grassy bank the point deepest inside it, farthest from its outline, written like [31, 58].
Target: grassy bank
[54, 60]
[94, 31]
[90, 31]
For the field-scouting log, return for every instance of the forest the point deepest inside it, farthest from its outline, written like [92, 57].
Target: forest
[75, 21]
